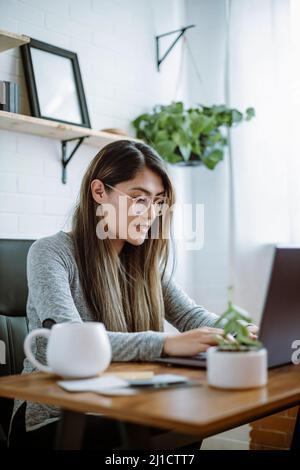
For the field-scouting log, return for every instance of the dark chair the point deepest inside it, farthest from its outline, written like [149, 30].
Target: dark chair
[13, 321]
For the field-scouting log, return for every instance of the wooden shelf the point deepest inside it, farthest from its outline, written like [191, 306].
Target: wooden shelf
[11, 40]
[56, 130]
[49, 128]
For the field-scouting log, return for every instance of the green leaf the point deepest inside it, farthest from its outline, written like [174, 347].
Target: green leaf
[177, 107]
[161, 136]
[250, 113]
[165, 148]
[180, 137]
[236, 115]
[197, 123]
[162, 119]
[213, 158]
[196, 148]
[174, 121]
[215, 137]
[173, 158]
[185, 151]
[143, 117]
[209, 124]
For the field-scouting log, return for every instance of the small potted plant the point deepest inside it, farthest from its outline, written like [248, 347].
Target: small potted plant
[189, 136]
[238, 361]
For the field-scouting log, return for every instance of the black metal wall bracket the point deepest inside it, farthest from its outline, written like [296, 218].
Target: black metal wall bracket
[66, 159]
[181, 32]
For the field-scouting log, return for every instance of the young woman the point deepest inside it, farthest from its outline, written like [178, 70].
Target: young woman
[112, 270]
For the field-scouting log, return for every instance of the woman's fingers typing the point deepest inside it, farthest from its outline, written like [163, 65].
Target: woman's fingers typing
[192, 342]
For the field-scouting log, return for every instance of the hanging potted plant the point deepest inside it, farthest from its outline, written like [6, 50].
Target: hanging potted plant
[238, 361]
[189, 136]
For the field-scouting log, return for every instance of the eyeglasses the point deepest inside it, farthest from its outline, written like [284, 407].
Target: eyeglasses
[141, 204]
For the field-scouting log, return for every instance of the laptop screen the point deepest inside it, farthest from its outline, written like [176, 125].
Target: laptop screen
[280, 325]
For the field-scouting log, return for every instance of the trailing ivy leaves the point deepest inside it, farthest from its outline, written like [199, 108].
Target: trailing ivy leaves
[196, 134]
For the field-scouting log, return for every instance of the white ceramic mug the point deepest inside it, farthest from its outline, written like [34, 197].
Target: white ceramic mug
[76, 350]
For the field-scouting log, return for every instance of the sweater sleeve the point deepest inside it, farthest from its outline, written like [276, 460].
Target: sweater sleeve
[182, 311]
[141, 346]
[49, 274]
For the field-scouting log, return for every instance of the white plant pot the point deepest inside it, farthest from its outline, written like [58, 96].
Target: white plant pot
[237, 369]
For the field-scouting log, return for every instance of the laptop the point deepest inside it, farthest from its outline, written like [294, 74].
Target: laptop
[280, 324]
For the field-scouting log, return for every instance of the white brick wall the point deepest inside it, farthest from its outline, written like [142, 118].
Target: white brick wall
[114, 41]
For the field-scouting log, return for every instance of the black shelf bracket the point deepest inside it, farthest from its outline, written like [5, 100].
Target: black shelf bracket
[181, 32]
[66, 159]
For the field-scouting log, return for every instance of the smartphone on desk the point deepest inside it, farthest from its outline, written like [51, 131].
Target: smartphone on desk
[159, 380]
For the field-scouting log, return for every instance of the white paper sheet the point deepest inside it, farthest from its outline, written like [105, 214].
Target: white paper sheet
[108, 385]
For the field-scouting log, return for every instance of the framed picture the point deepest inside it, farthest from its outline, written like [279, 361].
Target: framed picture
[54, 83]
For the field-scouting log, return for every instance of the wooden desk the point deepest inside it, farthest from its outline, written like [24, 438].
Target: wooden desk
[198, 411]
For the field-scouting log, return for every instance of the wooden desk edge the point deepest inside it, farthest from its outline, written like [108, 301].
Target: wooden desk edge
[202, 430]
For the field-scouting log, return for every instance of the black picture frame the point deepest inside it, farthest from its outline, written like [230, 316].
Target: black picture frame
[33, 62]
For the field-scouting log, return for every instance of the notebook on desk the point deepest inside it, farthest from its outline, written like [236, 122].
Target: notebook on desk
[280, 324]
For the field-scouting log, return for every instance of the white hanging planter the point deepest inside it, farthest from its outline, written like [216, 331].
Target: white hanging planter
[237, 369]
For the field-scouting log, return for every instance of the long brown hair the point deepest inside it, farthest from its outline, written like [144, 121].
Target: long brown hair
[124, 292]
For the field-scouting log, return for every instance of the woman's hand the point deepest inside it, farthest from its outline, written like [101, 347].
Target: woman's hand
[253, 331]
[191, 342]
[198, 340]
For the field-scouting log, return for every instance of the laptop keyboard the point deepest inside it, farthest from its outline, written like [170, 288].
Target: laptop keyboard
[202, 355]
[199, 360]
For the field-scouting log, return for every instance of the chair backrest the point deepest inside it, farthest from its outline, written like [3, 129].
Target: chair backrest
[13, 279]
[13, 321]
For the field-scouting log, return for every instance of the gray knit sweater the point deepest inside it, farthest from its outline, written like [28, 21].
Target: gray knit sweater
[55, 292]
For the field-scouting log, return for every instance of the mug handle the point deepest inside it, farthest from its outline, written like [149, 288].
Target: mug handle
[27, 348]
